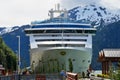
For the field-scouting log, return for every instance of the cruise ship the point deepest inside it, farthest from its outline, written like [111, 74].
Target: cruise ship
[60, 43]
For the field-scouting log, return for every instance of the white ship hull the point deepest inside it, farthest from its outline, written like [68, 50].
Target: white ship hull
[56, 59]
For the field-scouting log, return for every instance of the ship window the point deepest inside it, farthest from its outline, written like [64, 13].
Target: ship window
[53, 45]
[75, 35]
[37, 40]
[47, 35]
[76, 45]
[53, 31]
[90, 31]
[73, 59]
[88, 61]
[59, 35]
[59, 45]
[41, 36]
[79, 31]
[37, 31]
[77, 39]
[69, 31]
[46, 45]
[34, 31]
[86, 31]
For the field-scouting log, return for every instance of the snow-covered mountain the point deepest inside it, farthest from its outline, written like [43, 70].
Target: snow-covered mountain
[94, 13]
[9, 36]
[5, 30]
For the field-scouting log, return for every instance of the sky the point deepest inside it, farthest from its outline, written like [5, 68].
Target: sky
[22, 12]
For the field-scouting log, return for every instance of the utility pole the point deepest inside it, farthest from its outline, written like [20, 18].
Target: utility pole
[19, 62]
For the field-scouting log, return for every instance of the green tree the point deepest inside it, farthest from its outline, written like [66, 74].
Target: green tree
[117, 72]
[70, 65]
[7, 56]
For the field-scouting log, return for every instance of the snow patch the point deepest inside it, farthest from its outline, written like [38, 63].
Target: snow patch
[8, 30]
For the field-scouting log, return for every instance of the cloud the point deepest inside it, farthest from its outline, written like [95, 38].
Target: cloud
[20, 12]
[111, 4]
[74, 3]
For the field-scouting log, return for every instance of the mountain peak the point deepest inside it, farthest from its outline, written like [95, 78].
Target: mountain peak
[5, 30]
[93, 13]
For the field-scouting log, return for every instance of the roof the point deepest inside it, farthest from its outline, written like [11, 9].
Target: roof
[110, 53]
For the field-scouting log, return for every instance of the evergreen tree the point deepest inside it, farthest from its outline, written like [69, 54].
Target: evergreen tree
[7, 56]
[70, 65]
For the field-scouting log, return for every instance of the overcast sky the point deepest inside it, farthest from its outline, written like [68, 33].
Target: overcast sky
[21, 12]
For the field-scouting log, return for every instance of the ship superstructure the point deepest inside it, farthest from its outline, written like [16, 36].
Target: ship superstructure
[60, 43]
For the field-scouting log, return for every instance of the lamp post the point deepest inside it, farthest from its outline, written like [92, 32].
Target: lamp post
[19, 54]
[16, 61]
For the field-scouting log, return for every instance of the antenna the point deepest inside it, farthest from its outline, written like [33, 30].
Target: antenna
[57, 10]
[55, 6]
[58, 7]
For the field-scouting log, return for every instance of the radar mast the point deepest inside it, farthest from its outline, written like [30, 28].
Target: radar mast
[59, 11]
